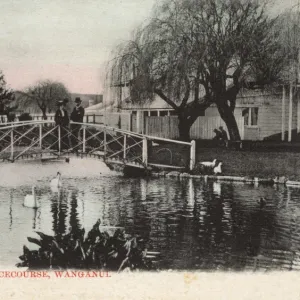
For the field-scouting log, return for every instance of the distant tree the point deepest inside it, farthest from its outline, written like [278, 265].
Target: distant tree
[43, 96]
[195, 53]
[7, 97]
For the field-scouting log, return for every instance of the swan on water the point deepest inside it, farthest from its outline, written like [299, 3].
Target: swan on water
[209, 163]
[30, 200]
[57, 180]
[217, 169]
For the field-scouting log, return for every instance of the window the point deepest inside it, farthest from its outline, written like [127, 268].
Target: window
[250, 115]
[163, 113]
[173, 113]
[153, 113]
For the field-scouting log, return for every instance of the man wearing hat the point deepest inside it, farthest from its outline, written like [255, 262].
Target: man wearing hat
[62, 120]
[76, 116]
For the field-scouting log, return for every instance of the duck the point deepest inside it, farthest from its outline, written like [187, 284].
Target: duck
[217, 169]
[262, 202]
[57, 180]
[209, 163]
[30, 200]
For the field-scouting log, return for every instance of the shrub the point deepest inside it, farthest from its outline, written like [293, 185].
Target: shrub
[25, 117]
[98, 250]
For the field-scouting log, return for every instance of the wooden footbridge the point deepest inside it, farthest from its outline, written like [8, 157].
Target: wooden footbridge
[46, 141]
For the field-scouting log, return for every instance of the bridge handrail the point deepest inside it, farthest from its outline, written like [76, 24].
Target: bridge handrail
[21, 123]
[31, 122]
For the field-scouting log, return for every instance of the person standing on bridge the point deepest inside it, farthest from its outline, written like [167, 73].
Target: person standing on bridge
[62, 120]
[77, 117]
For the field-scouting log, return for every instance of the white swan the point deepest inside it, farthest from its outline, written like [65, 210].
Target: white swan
[56, 182]
[217, 169]
[30, 200]
[209, 163]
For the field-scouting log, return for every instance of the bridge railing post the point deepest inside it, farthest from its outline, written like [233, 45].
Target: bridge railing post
[59, 140]
[145, 151]
[12, 144]
[124, 150]
[104, 146]
[41, 134]
[192, 155]
[83, 139]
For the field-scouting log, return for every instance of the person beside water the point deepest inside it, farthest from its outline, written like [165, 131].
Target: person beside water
[61, 119]
[223, 134]
[76, 116]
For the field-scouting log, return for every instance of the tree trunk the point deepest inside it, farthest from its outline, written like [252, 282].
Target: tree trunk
[184, 129]
[228, 117]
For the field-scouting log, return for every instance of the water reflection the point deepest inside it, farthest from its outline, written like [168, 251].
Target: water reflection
[193, 224]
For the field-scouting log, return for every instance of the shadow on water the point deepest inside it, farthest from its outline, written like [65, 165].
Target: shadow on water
[193, 224]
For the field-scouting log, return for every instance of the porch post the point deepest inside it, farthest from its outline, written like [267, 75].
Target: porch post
[138, 121]
[129, 120]
[290, 113]
[283, 114]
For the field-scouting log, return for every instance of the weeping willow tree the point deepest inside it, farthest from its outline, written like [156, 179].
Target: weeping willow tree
[195, 53]
[289, 37]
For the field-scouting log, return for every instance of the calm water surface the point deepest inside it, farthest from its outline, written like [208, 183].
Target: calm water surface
[193, 224]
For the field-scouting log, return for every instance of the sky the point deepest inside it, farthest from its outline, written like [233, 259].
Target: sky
[64, 40]
[68, 40]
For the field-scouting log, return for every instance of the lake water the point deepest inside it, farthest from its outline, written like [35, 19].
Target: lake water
[193, 224]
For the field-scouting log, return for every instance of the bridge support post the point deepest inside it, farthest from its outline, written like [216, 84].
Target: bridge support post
[124, 150]
[41, 134]
[192, 155]
[83, 139]
[59, 140]
[104, 146]
[12, 145]
[145, 151]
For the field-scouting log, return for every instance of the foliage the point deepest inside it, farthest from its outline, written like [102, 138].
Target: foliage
[98, 250]
[25, 117]
[7, 98]
[193, 54]
[44, 96]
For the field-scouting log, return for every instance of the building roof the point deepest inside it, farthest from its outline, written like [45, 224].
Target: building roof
[87, 97]
[245, 96]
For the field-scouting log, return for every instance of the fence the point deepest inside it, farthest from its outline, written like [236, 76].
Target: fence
[167, 127]
[118, 120]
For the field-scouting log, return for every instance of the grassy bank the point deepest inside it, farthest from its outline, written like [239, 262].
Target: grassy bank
[265, 162]
[254, 163]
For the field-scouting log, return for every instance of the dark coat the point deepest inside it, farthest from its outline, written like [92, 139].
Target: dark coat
[60, 119]
[77, 114]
